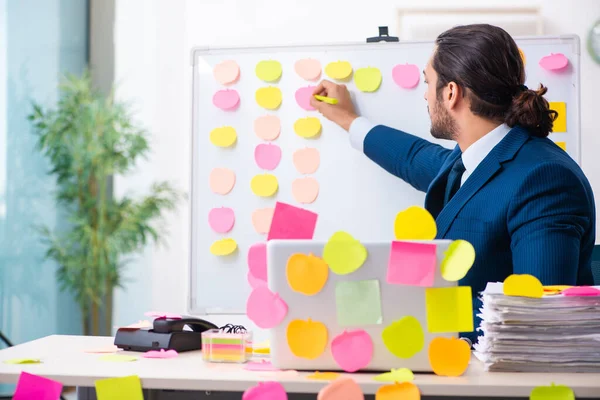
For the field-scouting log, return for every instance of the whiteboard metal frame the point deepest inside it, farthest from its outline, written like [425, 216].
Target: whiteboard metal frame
[192, 307]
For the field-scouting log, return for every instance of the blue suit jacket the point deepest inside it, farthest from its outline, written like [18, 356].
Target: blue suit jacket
[527, 208]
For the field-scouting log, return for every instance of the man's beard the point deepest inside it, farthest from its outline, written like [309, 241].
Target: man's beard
[443, 126]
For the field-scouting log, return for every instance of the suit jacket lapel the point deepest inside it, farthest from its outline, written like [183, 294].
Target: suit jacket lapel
[491, 164]
[434, 199]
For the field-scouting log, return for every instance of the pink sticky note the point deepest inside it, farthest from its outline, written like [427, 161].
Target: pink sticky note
[265, 308]
[254, 281]
[138, 325]
[554, 62]
[226, 99]
[352, 350]
[267, 156]
[34, 387]
[406, 76]
[291, 222]
[160, 354]
[221, 219]
[257, 260]
[412, 263]
[162, 315]
[581, 291]
[265, 391]
[262, 365]
[303, 96]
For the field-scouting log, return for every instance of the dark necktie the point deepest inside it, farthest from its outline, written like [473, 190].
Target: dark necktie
[454, 177]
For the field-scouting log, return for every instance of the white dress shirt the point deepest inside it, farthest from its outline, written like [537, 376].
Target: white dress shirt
[471, 157]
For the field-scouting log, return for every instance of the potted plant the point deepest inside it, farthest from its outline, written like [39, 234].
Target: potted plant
[88, 138]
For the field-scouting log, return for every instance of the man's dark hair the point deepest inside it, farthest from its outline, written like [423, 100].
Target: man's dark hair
[485, 62]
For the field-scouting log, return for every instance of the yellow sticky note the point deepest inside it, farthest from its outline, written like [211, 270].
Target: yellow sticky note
[263, 347]
[307, 127]
[223, 247]
[560, 124]
[552, 392]
[268, 70]
[449, 309]
[522, 54]
[117, 358]
[268, 97]
[367, 79]
[457, 261]
[306, 339]
[343, 253]
[306, 273]
[415, 223]
[523, 285]
[22, 361]
[125, 388]
[223, 137]
[555, 289]
[323, 376]
[264, 185]
[404, 337]
[449, 356]
[396, 375]
[339, 70]
[562, 145]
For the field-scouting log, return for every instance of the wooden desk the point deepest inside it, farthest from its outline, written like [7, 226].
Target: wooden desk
[63, 359]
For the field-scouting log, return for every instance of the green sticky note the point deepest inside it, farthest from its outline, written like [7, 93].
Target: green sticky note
[449, 309]
[22, 361]
[126, 388]
[358, 303]
[118, 358]
[552, 392]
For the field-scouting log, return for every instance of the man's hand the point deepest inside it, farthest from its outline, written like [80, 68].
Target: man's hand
[342, 113]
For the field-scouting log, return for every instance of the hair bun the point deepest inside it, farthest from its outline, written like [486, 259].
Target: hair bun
[531, 110]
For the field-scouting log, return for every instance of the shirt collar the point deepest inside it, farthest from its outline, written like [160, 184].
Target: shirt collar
[476, 152]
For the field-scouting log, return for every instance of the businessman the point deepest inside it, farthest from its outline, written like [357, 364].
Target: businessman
[522, 202]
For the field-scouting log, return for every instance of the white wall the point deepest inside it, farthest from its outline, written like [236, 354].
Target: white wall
[153, 41]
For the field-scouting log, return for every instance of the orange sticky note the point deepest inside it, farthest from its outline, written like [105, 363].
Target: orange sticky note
[560, 123]
[404, 391]
[523, 285]
[306, 339]
[306, 274]
[562, 145]
[449, 356]
[323, 376]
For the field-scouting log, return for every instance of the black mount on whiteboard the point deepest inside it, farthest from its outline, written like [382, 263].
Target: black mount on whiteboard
[383, 36]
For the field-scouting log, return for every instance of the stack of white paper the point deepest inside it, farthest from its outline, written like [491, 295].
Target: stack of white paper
[549, 334]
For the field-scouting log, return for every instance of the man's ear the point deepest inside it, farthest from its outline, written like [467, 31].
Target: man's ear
[454, 93]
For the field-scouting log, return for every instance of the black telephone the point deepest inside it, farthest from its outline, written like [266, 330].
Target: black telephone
[166, 333]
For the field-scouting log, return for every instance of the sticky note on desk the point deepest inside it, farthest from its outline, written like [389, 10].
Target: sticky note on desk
[118, 358]
[560, 124]
[412, 263]
[291, 222]
[22, 361]
[449, 309]
[552, 392]
[126, 388]
[33, 387]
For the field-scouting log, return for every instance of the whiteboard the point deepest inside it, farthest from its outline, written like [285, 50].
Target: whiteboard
[355, 195]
